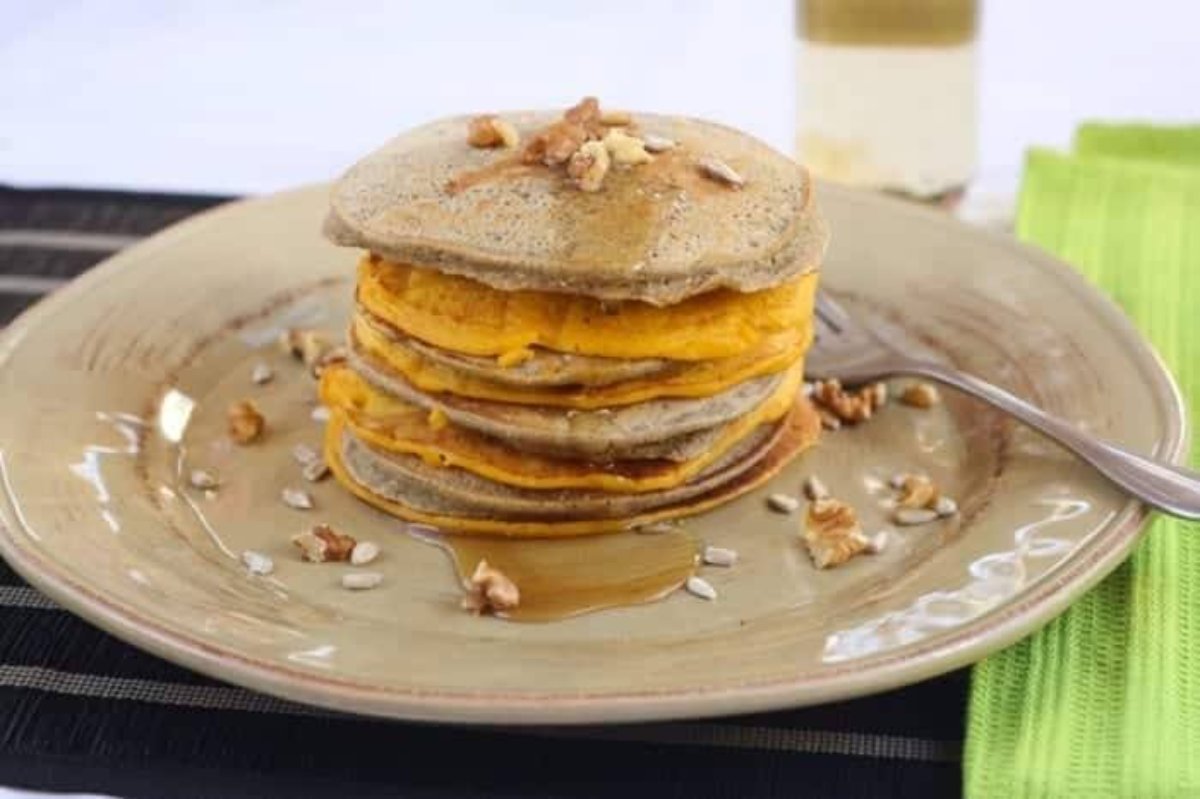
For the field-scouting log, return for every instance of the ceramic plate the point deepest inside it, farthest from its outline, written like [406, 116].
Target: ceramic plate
[115, 385]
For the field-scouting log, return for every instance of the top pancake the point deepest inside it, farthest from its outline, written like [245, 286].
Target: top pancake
[657, 232]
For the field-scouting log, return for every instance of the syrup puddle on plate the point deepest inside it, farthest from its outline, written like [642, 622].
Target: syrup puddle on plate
[560, 578]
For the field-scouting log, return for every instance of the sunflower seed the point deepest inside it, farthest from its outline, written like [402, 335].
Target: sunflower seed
[199, 478]
[720, 171]
[262, 374]
[295, 498]
[814, 489]
[657, 144]
[210, 494]
[720, 556]
[698, 586]
[361, 581]
[364, 552]
[315, 471]
[320, 414]
[914, 516]
[257, 562]
[303, 454]
[945, 506]
[783, 503]
[878, 542]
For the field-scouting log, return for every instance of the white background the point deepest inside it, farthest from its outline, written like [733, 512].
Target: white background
[246, 96]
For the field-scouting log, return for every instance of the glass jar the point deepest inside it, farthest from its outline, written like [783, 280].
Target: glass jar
[887, 93]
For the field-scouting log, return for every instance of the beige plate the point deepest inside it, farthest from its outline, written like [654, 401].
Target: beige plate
[112, 384]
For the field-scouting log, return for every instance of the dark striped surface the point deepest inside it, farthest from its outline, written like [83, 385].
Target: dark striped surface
[80, 710]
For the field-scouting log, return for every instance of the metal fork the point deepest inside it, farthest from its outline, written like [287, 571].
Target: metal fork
[851, 352]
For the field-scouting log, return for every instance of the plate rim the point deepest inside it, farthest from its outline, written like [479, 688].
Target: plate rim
[987, 633]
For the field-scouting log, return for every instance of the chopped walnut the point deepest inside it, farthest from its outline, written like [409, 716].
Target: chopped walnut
[849, 406]
[588, 166]
[832, 533]
[626, 150]
[308, 346]
[244, 422]
[918, 491]
[557, 144]
[877, 393]
[322, 544]
[489, 589]
[586, 113]
[490, 130]
[920, 395]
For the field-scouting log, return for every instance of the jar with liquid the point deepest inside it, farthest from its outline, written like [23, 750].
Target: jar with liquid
[887, 94]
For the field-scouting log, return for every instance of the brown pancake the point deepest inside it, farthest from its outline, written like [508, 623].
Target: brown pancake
[545, 369]
[456, 492]
[800, 431]
[674, 429]
[659, 232]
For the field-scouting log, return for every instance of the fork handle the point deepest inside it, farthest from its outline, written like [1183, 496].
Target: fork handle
[1170, 488]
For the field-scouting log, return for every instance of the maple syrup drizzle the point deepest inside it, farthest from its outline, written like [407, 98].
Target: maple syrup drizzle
[563, 577]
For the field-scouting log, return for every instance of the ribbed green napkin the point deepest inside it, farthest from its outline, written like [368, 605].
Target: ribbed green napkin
[1105, 700]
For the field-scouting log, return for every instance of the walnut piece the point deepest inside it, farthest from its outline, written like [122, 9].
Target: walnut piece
[586, 113]
[832, 533]
[489, 589]
[918, 491]
[920, 395]
[588, 166]
[245, 423]
[321, 544]
[307, 346]
[626, 150]
[490, 130]
[849, 406]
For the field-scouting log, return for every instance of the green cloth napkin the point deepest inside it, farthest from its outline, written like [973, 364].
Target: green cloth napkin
[1105, 700]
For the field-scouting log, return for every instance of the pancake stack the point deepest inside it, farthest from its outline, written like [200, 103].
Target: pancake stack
[598, 323]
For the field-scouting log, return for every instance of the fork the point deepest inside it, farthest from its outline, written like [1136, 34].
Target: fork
[850, 351]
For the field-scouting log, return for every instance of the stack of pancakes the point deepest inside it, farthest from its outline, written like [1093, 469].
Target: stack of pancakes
[527, 358]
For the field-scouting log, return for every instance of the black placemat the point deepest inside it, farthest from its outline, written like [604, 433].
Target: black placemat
[80, 710]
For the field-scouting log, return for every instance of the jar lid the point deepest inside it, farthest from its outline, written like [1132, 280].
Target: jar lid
[887, 23]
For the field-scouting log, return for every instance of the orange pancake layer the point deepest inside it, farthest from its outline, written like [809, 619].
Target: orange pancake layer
[802, 429]
[466, 316]
[389, 423]
[700, 379]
